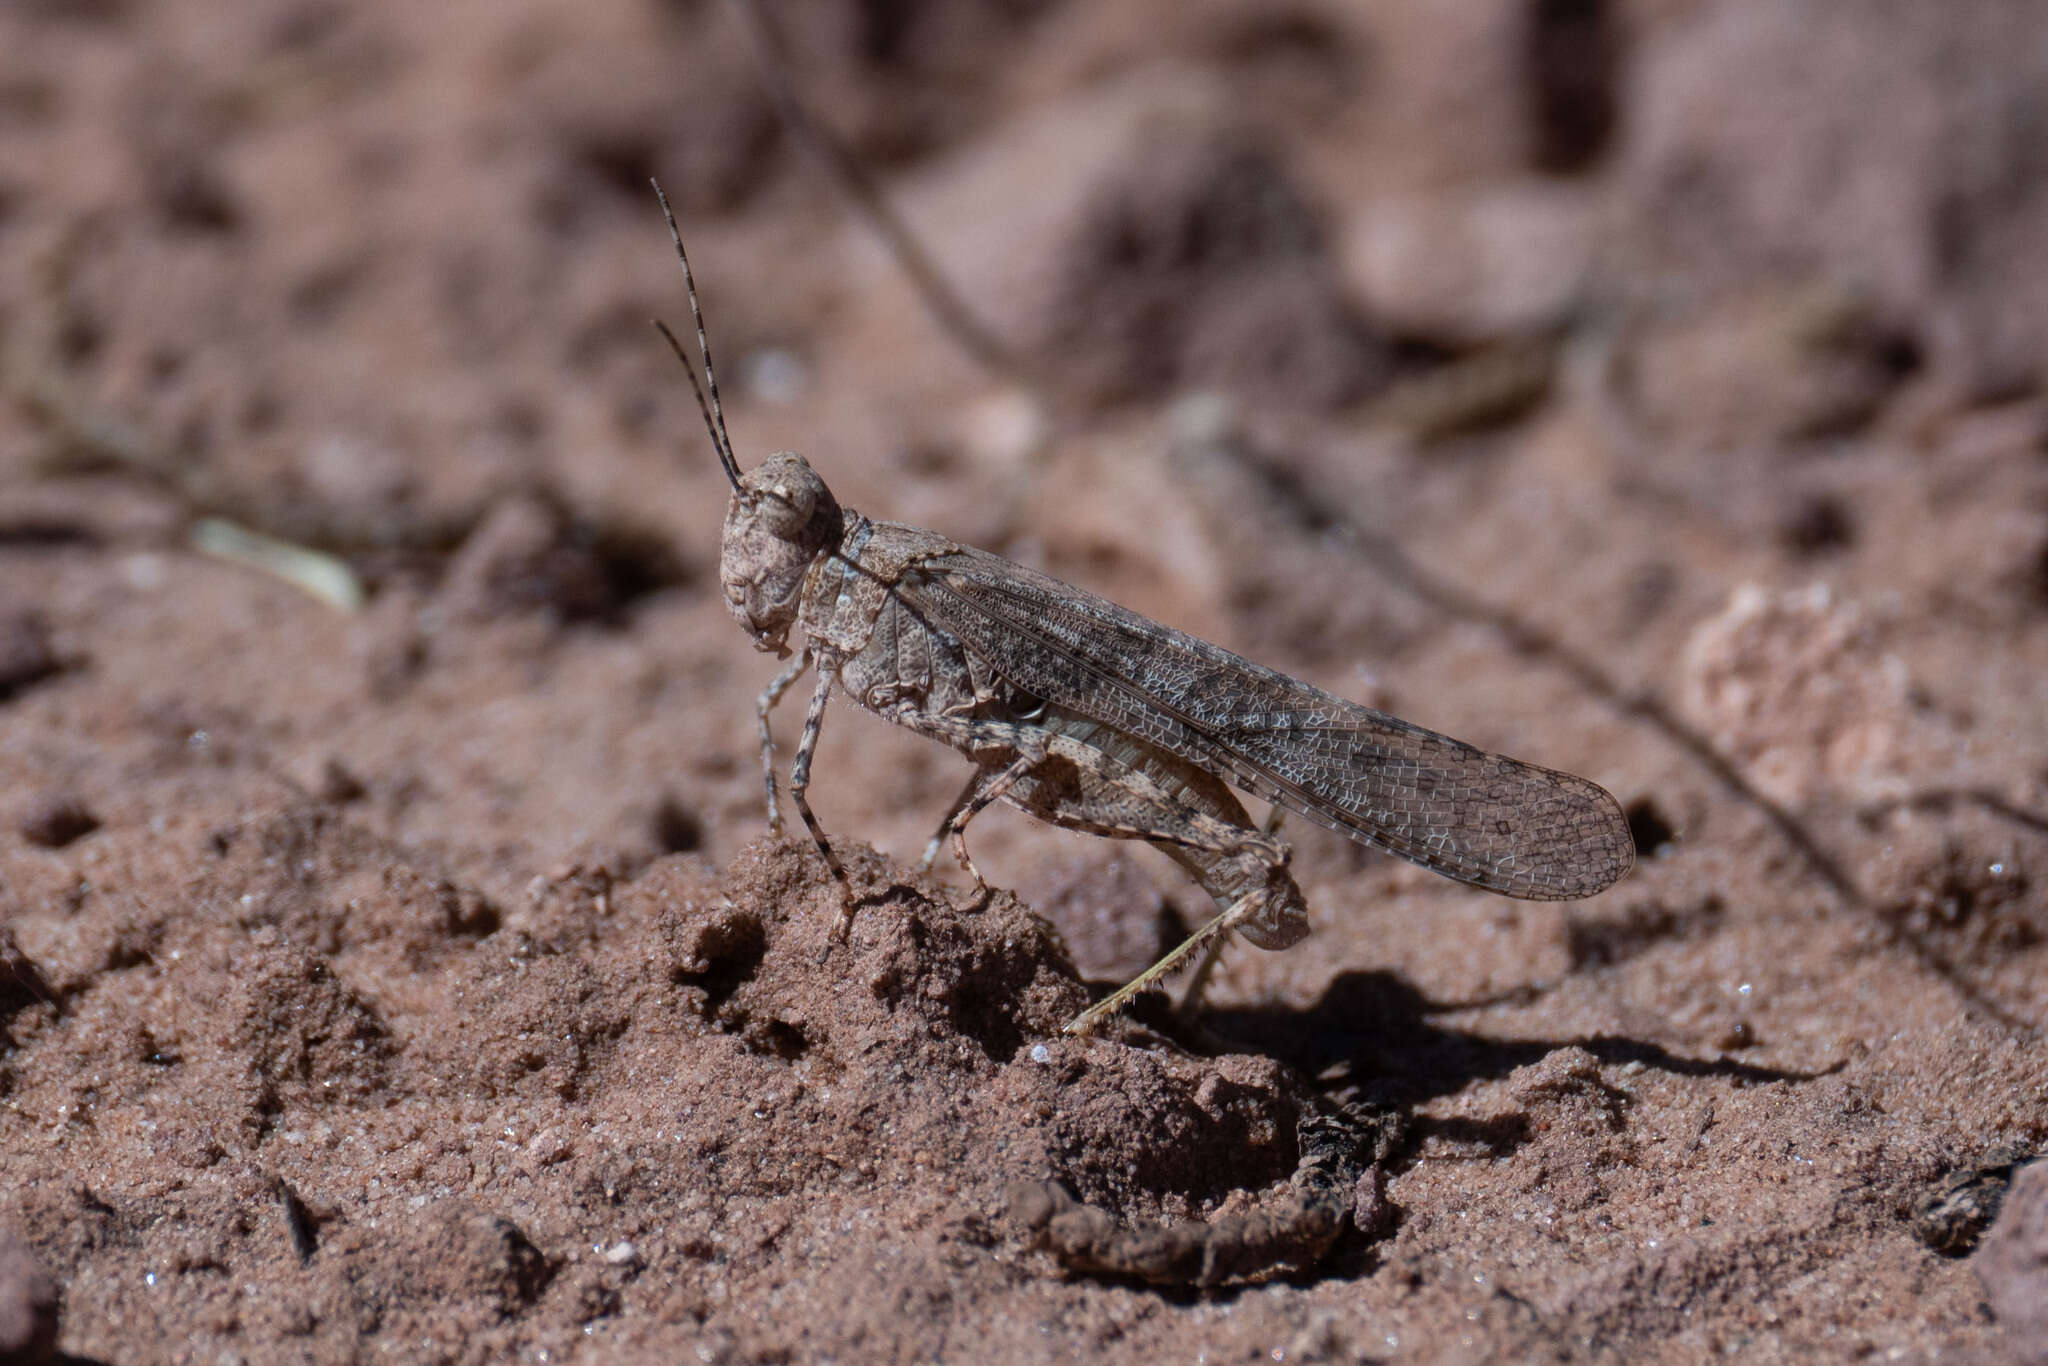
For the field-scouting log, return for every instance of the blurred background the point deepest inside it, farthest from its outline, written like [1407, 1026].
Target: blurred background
[1649, 388]
[1652, 389]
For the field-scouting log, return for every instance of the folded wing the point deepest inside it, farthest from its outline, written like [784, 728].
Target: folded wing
[1480, 818]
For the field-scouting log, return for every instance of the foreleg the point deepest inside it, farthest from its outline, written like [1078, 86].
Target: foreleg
[770, 696]
[799, 786]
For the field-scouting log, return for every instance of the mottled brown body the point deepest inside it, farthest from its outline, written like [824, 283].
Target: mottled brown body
[1094, 718]
[859, 614]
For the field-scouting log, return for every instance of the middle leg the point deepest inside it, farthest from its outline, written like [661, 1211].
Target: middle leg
[1085, 777]
[931, 846]
[985, 795]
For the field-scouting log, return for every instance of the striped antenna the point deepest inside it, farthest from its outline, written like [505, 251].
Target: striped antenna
[714, 414]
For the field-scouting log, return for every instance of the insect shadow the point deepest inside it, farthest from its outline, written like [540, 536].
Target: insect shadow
[1378, 1026]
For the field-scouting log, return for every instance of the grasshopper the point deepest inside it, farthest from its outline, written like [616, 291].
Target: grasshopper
[1094, 718]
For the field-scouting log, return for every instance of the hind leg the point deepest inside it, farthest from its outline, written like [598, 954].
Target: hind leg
[1208, 940]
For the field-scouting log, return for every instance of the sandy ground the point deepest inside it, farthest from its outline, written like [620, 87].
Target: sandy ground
[1652, 389]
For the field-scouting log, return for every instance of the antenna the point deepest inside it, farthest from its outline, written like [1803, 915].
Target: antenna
[713, 413]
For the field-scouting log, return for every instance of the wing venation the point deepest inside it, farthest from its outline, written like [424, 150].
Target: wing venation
[1480, 818]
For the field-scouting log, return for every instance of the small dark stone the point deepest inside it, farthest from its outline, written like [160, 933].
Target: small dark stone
[55, 821]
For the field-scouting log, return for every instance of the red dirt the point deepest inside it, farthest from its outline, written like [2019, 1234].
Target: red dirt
[1647, 389]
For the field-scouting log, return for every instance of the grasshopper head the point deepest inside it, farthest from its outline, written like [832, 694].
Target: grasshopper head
[782, 516]
[781, 519]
